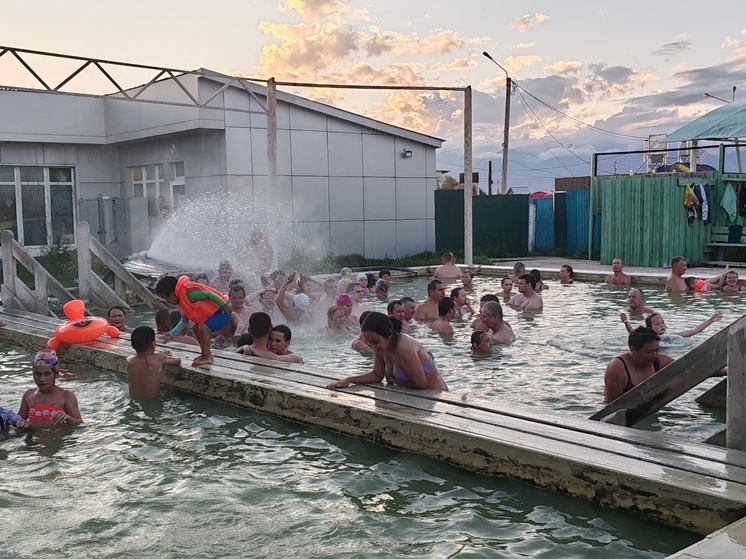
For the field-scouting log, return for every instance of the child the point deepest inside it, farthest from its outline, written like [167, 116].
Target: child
[48, 405]
[206, 307]
[144, 369]
[658, 325]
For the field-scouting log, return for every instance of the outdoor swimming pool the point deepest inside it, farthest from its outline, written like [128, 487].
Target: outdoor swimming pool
[189, 477]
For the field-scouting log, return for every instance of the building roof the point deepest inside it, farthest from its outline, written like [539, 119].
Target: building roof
[724, 123]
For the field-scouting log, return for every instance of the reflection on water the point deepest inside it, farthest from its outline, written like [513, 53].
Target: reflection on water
[187, 477]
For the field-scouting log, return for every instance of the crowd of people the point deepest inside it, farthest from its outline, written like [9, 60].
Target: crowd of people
[207, 312]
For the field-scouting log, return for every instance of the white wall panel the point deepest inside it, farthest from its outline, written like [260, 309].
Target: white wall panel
[410, 199]
[378, 155]
[309, 153]
[345, 155]
[379, 199]
[345, 198]
[347, 237]
[411, 236]
[380, 238]
[310, 199]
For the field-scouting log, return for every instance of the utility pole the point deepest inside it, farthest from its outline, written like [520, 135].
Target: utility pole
[506, 129]
[489, 177]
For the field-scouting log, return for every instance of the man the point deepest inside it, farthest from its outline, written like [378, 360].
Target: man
[260, 325]
[527, 299]
[356, 293]
[617, 276]
[385, 275]
[641, 362]
[222, 281]
[499, 331]
[409, 308]
[279, 340]
[237, 300]
[382, 290]
[636, 303]
[675, 282]
[395, 309]
[447, 268]
[428, 309]
[446, 312]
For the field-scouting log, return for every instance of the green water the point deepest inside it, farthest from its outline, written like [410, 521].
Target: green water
[189, 477]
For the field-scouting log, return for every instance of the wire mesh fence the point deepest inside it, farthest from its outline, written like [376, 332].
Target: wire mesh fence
[670, 161]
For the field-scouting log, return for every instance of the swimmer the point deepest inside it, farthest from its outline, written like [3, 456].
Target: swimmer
[345, 278]
[446, 313]
[467, 279]
[145, 369]
[447, 268]
[356, 293]
[49, 405]
[499, 331]
[481, 343]
[463, 307]
[299, 311]
[566, 274]
[507, 289]
[9, 418]
[656, 323]
[617, 276]
[359, 344]
[335, 323]
[269, 342]
[164, 321]
[398, 358]
[527, 298]
[385, 275]
[116, 319]
[279, 340]
[478, 323]
[223, 278]
[381, 290]
[344, 302]
[540, 285]
[731, 282]
[428, 309]
[636, 302]
[395, 309]
[519, 268]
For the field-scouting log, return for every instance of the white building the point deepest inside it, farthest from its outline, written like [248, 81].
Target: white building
[346, 183]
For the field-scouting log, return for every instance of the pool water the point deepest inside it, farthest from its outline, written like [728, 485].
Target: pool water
[190, 477]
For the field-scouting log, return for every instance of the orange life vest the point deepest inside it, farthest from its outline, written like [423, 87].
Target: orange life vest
[199, 311]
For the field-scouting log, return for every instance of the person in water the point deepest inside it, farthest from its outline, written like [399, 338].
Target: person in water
[641, 362]
[116, 318]
[656, 323]
[144, 369]
[48, 405]
[481, 343]
[398, 358]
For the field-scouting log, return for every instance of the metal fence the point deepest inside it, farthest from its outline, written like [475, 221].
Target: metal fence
[651, 162]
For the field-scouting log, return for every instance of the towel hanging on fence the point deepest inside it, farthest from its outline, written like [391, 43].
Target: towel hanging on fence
[690, 199]
[729, 203]
[706, 202]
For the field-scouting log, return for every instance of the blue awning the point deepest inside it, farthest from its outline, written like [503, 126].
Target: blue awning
[724, 123]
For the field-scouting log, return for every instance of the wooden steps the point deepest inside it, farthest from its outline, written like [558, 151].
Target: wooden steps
[693, 486]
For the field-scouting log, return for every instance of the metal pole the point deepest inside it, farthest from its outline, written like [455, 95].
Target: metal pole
[272, 166]
[506, 135]
[468, 238]
[489, 177]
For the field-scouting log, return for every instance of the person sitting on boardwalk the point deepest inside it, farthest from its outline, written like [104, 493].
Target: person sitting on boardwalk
[48, 405]
[675, 282]
[617, 276]
[656, 323]
[527, 298]
[446, 312]
[398, 358]
[428, 309]
[206, 307]
[116, 318]
[499, 331]
[636, 303]
[641, 362]
[144, 369]
[481, 343]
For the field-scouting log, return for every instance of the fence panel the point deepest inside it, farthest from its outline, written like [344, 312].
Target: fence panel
[544, 235]
[577, 211]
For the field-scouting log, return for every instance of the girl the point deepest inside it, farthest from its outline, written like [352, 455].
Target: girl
[49, 405]
[656, 323]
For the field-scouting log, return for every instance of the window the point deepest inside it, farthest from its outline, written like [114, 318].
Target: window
[147, 181]
[37, 204]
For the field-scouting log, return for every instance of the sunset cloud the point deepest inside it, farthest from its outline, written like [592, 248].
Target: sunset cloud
[730, 42]
[674, 48]
[524, 45]
[527, 21]
[319, 9]
[564, 66]
[515, 63]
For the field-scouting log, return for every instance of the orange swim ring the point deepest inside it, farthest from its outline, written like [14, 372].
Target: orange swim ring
[80, 329]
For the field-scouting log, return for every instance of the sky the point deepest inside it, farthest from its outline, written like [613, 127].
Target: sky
[591, 76]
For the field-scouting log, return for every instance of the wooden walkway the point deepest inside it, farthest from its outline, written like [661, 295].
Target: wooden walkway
[694, 486]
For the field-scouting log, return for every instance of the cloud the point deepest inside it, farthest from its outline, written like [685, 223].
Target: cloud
[730, 42]
[565, 66]
[524, 45]
[676, 47]
[320, 9]
[455, 65]
[525, 22]
[514, 63]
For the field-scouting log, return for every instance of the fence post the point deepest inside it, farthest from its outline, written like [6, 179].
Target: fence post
[9, 268]
[84, 261]
[735, 418]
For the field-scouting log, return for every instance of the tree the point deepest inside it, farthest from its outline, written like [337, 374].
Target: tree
[447, 182]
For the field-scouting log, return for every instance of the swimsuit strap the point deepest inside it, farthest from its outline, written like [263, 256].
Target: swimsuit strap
[629, 385]
[54, 403]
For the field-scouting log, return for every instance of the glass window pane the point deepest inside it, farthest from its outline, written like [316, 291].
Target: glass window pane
[150, 173]
[60, 175]
[8, 208]
[32, 174]
[138, 190]
[136, 173]
[34, 218]
[6, 174]
[61, 198]
[179, 169]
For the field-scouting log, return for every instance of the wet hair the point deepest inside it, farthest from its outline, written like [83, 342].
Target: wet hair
[382, 285]
[640, 336]
[236, 288]
[649, 319]
[676, 259]
[234, 282]
[245, 339]
[225, 264]
[536, 273]
[432, 285]
[691, 281]
[406, 300]
[391, 305]
[352, 285]
[470, 272]
[162, 321]
[519, 267]
[476, 336]
[568, 268]
[529, 278]
[285, 329]
[141, 338]
[384, 326]
[371, 279]
[454, 292]
[174, 318]
[489, 297]
[447, 256]
[201, 278]
[506, 278]
[260, 324]
[117, 307]
[445, 305]
[363, 316]
[383, 272]
[166, 285]
[330, 313]
[493, 308]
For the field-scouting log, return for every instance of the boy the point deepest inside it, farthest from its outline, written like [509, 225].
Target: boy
[206, 307]
[144, 369]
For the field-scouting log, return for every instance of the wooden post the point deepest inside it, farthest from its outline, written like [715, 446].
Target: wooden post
[8, 291]
[272, 166]
[468, 229]
[84, 261]
[735, 418]
[41, 297]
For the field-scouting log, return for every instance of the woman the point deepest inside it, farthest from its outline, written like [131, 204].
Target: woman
[344, 302]
[481, 343]
[116, 318]
[335, 322]
[731, 282]
[540, 285]
[507, 288]
[566, 274]
[398, 358]
[463, 306]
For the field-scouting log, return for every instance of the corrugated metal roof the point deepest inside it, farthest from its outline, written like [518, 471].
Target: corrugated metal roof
[724, 123]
